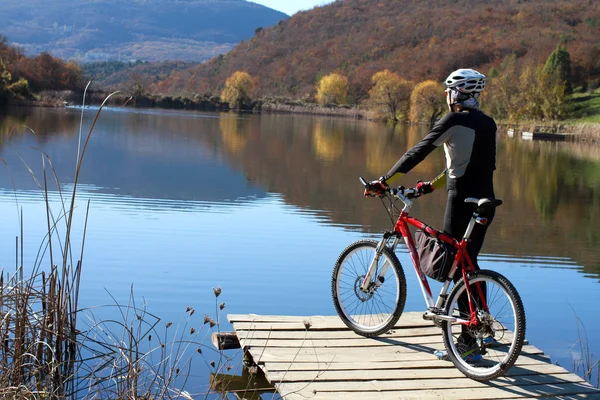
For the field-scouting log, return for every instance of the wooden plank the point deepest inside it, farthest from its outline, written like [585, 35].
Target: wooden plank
[432, 384]
[259, 322]
[299, 343]
[414, 364]
[339, 334]
[360, 342]
[399, 353]
[388, 374]
[406, 316]
[490, 392]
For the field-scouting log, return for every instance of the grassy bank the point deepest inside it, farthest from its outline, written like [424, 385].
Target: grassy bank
[585, 107]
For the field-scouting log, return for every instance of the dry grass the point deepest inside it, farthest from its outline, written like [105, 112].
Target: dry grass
[584, 362]
[52, 349]
[315, 109]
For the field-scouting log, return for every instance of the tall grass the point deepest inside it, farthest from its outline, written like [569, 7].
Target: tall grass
[52, 349]
[40, 348]
[585, 363]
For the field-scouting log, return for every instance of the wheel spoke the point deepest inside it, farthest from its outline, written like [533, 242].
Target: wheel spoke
[375, 310]
[504, 323]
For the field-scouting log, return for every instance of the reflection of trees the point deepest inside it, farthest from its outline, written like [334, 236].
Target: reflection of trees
[45, 124]
[551, 191]
[539, 180]
[554, 194]
[10, 126]
[154, 155]
[542, 215]
[234, 132]
[328, 140]
[550, 175]
[378, 140]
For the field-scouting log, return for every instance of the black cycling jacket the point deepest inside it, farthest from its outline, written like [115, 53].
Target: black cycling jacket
[469, 138]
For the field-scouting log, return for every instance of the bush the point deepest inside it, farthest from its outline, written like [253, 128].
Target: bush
[21, 88]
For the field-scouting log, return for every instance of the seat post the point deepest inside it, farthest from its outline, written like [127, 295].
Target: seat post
[480, 205]
[471, 226]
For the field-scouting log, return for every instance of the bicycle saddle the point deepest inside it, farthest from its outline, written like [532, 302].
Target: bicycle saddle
[484, 203]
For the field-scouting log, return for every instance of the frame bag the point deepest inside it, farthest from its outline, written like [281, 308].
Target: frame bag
[436, 257]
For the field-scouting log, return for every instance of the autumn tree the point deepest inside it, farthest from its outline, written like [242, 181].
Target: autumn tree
[5, 76]
[427, 102]
[503, 91]
[542, 95]
[531, 94]
[555, 93]
[239, 88]
[332, 89]
[390, 95]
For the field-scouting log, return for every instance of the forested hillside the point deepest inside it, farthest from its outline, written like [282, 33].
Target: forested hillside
[21, 77]
[419, 40]
[89, 30]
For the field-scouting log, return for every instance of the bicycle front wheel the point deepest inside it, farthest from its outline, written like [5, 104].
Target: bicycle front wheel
[375, 309]
[488, 350]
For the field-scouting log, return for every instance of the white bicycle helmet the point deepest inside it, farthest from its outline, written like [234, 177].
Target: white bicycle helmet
[466, 81]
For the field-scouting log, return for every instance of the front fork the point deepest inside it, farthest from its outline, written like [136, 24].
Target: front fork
[366, 283]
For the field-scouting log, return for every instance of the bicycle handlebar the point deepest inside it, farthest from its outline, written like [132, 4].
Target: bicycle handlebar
[401, 192]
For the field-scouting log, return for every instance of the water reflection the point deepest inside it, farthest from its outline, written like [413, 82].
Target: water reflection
[551, 190]
[328, 140]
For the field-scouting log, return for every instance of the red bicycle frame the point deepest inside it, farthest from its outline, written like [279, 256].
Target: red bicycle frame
[462, 258]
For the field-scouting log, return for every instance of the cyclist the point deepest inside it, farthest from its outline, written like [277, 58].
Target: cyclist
[469, 139]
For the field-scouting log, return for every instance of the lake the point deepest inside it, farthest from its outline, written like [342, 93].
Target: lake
[262, 205]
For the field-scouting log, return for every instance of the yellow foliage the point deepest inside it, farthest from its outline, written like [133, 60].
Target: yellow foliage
[434, 42]
[239, 88]
[390, 95]
[328, 140]
[233, 133]
[332, 89]
[427, 102]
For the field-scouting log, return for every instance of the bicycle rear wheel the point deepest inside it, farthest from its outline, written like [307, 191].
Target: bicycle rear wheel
[376, 310]
[488, 350]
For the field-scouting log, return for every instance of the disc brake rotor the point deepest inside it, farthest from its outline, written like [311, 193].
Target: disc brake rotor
[362, 296]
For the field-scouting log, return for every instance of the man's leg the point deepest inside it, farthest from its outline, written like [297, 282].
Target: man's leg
[457, 217]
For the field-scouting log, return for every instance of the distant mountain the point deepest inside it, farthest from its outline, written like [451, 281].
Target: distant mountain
[417, 39]
[125, 30]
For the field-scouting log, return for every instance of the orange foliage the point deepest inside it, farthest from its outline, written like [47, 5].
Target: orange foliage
[43, 72]
[419, 40]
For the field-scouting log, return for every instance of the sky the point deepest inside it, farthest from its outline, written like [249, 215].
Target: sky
[291, 7]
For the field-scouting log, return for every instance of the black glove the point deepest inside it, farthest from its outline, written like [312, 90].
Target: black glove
[424, 187]
[376, 188]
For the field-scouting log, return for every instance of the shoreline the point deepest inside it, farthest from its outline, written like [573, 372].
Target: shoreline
[587, 132]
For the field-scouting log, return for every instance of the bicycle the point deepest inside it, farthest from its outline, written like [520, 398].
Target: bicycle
[368, 275]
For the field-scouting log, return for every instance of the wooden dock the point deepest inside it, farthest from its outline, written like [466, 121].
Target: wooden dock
[319, 358]
[543, 136]
[560, 137]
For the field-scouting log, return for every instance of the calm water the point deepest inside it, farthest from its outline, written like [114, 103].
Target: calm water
[263, 205]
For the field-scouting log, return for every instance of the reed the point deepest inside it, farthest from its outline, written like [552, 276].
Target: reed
[39, 311]
[584, 363]
[50, 348]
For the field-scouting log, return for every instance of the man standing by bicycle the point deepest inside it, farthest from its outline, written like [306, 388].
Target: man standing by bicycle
[469, 139]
